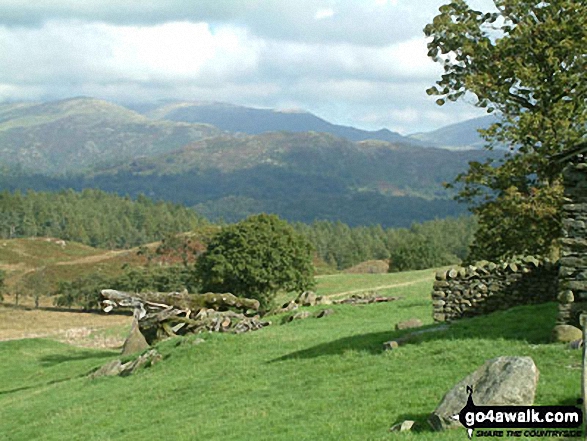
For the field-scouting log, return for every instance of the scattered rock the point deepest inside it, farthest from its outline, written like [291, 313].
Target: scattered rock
[409, 324]
[566, 333]
[390, 345]
[147, 359]
[502, 381]
[299, 316]
[287, 307]
[110, 369]
[325, 312]
[404, 426]
[307, 298]
[366, 298]
[577, 344]
[322, 300]
[116, 367]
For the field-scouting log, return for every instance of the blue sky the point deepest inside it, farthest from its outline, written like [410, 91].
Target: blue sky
[352, 62]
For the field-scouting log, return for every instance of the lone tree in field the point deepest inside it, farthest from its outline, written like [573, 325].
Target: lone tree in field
[527, 61]
[255, 258]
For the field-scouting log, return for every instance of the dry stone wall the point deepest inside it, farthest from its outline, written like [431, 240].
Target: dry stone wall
[475, 290]
[573, 262]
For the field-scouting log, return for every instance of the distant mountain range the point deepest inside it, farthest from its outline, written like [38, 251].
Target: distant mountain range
[462, 135]
[253, 121]
[74, 134]
[173, 151]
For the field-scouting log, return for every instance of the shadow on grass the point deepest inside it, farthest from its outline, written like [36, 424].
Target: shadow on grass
[36, 386]
[55, 359]
[532, 324]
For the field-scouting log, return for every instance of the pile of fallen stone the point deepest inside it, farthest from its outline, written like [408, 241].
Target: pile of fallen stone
[118, 368]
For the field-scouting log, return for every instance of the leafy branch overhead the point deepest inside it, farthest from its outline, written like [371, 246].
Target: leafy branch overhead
[526, 60]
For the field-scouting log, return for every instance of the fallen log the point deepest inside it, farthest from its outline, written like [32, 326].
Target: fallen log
[179, 300]
[163, 315]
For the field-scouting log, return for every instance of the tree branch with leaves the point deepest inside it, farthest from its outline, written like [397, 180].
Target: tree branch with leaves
[526, 61]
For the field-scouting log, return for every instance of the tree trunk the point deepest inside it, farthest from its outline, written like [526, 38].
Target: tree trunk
[163, 315]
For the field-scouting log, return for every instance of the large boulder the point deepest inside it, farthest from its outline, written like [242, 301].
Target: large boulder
[502, 381]
[566, 333]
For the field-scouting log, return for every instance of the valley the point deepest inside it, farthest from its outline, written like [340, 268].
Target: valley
[298, 170]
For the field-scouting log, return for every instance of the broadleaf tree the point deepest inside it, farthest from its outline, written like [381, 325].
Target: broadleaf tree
[526, 61]
[256, 258]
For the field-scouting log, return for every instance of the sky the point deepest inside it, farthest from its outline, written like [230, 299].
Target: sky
[352, 62]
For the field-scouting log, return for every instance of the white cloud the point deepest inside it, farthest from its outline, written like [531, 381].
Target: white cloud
[353, 62]
[324, 13]
[80, 52]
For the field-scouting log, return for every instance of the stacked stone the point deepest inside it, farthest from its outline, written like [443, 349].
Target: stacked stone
[488, 286]
[573, 262]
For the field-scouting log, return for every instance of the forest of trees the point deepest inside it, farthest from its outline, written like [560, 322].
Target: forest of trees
[104, 220]
[92, 217]
[426, 245]
[99, 219]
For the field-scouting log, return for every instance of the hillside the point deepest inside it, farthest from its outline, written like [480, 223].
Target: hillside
[326, 379]
[60, 260]
[300, 176]
[253, 121]
[463, 135]
[71, 135]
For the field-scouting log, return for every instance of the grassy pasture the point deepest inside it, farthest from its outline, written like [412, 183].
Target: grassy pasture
[316, 379]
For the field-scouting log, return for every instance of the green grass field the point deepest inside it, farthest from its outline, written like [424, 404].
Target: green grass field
[316, 379]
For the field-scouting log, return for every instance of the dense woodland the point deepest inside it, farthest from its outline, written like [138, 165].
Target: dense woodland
[103, 220]
[92, 217]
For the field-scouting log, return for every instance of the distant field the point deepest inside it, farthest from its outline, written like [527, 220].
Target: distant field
[316, 379]
[337, 284]
[61, 260]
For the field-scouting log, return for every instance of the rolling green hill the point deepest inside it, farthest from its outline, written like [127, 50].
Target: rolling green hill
[326, 379]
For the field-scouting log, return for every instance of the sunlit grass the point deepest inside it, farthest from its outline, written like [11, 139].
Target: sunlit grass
[316, 379]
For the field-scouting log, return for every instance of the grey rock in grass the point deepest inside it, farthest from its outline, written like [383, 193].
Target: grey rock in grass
[404, 426]
[390, 345]
[299, 316]
[110, 369]
[307, 298]
[409, 324]
[147, 359]
[325, 312]
[116, 367]
[502, 381]
[576, 344]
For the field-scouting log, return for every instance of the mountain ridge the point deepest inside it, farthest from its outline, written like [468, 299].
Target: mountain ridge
[73, 134]
[254, 121]
[302, 176]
